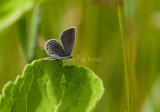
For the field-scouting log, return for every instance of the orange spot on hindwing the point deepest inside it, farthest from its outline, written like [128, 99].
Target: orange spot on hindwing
[48, 47]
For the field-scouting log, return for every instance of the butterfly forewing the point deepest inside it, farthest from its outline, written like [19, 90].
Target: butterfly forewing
[68, 40]
[54, 48]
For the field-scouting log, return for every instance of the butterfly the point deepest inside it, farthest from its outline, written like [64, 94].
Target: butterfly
[57, 50]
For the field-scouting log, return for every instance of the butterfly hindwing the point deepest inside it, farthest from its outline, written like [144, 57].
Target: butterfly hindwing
[54, 48]
[68, 40]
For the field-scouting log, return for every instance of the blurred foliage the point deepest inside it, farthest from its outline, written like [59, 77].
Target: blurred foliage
[98, 37]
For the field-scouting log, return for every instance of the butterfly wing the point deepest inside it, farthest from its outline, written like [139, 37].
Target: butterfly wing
[54, 48]
[68, 40]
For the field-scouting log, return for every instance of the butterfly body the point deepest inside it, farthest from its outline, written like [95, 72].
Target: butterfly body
[57, 50]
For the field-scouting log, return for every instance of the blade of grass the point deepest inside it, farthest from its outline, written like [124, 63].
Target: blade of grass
[129, 11]
[22, 36]
[33, 33]
[124, 55]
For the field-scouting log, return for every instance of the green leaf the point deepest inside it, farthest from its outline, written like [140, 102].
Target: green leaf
[49, 86]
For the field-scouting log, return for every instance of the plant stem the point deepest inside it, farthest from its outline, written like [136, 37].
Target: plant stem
[124, 54]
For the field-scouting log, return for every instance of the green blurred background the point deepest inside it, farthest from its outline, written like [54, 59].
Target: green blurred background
[126, 58]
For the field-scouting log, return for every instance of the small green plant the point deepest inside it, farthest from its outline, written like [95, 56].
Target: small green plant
[50, 86]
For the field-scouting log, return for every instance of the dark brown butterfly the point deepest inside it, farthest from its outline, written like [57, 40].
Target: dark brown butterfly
[57, 50]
